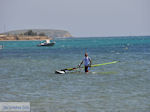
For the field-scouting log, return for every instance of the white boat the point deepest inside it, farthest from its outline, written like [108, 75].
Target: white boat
[47, 43]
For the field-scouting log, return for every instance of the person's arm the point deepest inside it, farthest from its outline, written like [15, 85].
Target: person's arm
[80, 63]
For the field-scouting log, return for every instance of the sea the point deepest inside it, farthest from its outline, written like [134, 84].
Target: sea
[27, 74]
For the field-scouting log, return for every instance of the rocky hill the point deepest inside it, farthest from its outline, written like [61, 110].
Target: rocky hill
[47, 32]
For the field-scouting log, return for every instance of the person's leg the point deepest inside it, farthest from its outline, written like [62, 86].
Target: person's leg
[86, 69]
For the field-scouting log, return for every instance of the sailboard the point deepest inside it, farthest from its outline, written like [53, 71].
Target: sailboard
[63, 71]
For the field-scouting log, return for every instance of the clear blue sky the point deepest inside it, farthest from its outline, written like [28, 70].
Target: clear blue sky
[80, 17]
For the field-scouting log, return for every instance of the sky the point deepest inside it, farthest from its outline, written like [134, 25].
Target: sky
[82, 18]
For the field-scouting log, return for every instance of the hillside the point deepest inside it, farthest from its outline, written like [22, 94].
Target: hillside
[47, 32]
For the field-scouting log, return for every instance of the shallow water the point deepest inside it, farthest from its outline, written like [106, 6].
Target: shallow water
[27, 74]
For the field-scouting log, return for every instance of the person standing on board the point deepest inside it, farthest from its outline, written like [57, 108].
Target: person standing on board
[87, 63]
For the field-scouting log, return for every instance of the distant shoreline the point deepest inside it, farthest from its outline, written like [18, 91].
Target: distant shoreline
[72, 38]
[22, 40]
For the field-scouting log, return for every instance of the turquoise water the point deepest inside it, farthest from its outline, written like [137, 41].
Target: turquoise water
[27, 74]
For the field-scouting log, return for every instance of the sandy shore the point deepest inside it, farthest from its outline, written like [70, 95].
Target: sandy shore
[24, 38]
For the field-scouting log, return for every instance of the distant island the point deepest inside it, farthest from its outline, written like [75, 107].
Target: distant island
[34, 34]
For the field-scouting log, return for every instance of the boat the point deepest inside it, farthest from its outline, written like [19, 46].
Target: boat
[47, 43]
